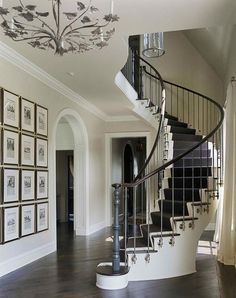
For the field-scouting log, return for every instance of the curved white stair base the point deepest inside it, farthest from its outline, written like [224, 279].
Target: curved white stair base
[172, 261]
[111, 282]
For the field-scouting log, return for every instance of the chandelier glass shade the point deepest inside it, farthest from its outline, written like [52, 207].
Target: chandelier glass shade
[79, 30]
[153, 45]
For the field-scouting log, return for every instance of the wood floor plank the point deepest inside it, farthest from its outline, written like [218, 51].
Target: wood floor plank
[70, 273]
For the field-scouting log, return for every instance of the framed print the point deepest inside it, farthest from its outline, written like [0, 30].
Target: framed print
[1, 225]
[27, 220]
[27, 185]
[27, 115]
[11, 224]
[10, 185]
[41, 121]
[10, 147]
[27, 150]
[42, 217]
[41, 153]
[10, 109]
[42, 185]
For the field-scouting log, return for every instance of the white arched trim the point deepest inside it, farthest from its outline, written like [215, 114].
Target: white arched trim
[81, 169]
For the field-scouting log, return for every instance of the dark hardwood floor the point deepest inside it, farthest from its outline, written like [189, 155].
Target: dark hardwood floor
[70, 273]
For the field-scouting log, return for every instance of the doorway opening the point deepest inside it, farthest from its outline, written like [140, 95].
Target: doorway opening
[65, 176]
[128, 173]
[71, 181]
[65, 187]
[128, 155]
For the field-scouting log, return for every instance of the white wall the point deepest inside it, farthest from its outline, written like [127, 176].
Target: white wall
[23, 251]
[183, 64]
[231, 65]
[64, 137]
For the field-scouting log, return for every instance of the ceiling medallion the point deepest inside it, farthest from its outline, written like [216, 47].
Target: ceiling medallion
[77, 31]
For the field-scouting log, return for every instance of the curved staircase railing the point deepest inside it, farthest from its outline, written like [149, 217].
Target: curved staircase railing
[183, 169]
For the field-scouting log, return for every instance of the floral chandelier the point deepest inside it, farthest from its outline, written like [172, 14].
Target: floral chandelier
[83, 29]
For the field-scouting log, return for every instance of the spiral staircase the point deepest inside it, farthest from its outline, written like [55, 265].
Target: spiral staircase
[181, 176]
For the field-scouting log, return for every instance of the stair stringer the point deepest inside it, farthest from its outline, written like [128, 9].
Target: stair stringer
[173, 260]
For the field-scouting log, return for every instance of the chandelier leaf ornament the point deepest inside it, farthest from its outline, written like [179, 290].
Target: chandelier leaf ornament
[77, 31]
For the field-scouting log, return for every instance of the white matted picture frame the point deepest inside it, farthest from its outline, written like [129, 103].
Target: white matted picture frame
[42, 217]
[27, 220]
[10, 186]
[41, 153]
[27, 115]
[10, 147]
[27, 150]
[42, 185]
[1, 225]
[10, 103]
[11, 229]
[41, 121]
[27, 185]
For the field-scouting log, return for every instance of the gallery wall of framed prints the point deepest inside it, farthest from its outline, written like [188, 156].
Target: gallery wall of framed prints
[24, 208]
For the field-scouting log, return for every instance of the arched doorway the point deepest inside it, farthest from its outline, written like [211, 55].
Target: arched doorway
[80, 167]
[128, 175]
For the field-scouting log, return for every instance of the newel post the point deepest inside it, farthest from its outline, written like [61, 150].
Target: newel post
[116, 229]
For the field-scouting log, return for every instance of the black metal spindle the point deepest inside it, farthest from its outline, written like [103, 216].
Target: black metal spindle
[126, 225]
[188, 109]
[177, 102]
[134, 258]
[183, 194]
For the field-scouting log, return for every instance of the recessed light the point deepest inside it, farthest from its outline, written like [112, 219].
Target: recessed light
[71, 74]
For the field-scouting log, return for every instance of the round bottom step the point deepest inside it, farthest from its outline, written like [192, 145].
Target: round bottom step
[107, 280]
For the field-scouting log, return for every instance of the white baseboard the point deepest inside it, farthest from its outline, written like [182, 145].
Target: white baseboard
[92, 229]
[26, 258]
[97, 227]
[210, 227]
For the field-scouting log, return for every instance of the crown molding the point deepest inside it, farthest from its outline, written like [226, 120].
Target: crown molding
[23, 63]
[125, 118]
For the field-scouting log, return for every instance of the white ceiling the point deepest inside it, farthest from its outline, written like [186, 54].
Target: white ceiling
[214, 45]
[94, 71]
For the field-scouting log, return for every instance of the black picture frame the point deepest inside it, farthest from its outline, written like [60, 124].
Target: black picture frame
[25, 220]
[27, 109]
[27, 188]
[25, 161]
[10, 179]
[41, 177]
[9, 221]
[41, 148]
[10, 108]
[14, 147]
[41, 121]
[42, 217]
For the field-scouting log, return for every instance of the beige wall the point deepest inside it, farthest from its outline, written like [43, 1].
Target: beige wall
[20, 252]
[183, 64]
[231, 65]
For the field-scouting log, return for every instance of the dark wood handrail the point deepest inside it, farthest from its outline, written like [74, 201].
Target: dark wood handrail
[162, 112]
[137, 181]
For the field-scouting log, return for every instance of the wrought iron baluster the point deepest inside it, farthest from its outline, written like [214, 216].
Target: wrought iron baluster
[177, 102]
[134, 258]
[183, 194]
[126, 226]
[188, 109]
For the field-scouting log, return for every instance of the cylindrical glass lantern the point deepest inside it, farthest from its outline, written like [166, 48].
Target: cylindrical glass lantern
[153, 45]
